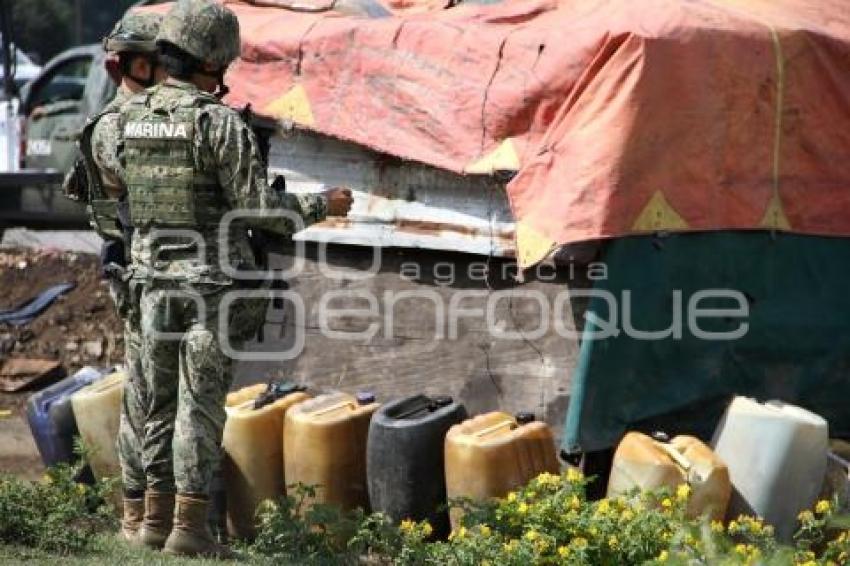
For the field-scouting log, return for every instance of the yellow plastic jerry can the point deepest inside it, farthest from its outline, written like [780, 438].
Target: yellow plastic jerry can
[253, 451]
[495, 453]
[97, 410]
[645, 463]
[325, 441]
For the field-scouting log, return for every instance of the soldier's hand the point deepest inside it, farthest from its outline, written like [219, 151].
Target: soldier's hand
[339, 201]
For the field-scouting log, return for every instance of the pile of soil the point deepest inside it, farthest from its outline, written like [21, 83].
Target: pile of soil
[80, 328]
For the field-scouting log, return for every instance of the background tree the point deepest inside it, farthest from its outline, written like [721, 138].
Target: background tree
[48, 27]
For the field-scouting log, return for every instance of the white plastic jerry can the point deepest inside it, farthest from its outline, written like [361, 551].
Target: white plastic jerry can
[776, 455]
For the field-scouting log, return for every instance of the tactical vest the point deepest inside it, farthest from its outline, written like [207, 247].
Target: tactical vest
[103, 210]
[164, 185]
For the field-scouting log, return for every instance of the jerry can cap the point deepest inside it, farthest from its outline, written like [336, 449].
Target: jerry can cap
[440, 401]
[660, 436]
[524, 417]
[276, 390]
[365, 397]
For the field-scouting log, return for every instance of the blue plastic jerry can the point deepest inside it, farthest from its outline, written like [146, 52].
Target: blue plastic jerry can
[51, 417]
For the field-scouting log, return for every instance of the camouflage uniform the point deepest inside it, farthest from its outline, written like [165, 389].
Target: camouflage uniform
[188, 160]
[99, 184]
[104, 144]
[98, 144]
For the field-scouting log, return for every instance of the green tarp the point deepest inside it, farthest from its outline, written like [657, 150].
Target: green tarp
[796, 348]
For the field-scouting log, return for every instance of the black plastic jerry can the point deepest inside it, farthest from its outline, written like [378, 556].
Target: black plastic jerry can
[405, 462]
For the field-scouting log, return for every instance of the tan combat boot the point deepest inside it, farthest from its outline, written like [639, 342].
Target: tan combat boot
[134, 512]
[159, 516]
[191, 535]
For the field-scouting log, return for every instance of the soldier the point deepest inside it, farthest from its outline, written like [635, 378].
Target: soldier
[96, 180]
[188, 160]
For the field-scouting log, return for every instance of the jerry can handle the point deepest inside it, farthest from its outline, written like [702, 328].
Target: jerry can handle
[334, 407]
[676, 456]
[511, 424]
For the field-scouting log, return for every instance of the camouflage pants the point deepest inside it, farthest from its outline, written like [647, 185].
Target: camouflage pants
[187, 376]
[130, 429]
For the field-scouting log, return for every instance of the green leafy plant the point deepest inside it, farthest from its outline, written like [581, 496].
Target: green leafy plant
[294, 530]
[56, 514]
[549, 521]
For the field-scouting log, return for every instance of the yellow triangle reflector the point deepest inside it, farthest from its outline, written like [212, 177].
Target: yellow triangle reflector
[775, 217]
[294, 106]
[658, 215]
[503, 158]
[532, 246]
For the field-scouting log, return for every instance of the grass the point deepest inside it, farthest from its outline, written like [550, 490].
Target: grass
[109, 551]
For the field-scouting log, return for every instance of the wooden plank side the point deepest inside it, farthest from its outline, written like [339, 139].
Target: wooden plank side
[414, 351]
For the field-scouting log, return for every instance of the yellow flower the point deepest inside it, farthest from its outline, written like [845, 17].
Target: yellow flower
[822, 507]
[575, 503]
[627, 515]
[807, 563]
[603, 507]
[579, 543]
[613, 542]
[532, 535]
[741, 549]
[574, 476]
[484, 530]
[81, 489]
[733, 526]
[511, 546]
[667, 503]
[458, 534]
[683, 492]
[46, 479]
[547, 479]
[663, 556]
[563, 551]
[407, 526]
[512, 497]
[522, 509]
[717, 526]
[427, 529]
[806, 516]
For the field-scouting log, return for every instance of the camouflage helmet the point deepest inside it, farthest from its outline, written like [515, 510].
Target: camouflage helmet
[204, 29]
[135, 32]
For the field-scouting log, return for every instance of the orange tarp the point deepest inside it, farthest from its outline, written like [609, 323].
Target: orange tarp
[621, 116]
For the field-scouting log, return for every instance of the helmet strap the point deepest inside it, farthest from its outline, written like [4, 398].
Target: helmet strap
[222, 89]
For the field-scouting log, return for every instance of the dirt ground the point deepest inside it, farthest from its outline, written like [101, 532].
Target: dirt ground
[80, 328]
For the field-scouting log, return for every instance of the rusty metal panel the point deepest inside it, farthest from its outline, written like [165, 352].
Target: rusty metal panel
[396, 203]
